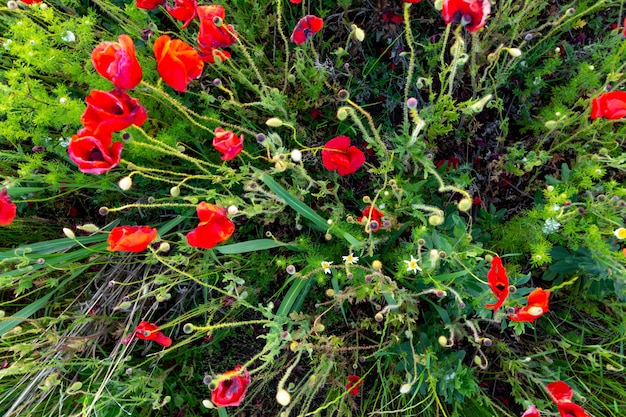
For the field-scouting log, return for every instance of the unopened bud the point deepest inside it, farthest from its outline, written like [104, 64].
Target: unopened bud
[514, 52]
[342, 113]
[69, 233]
[435, 220]
[175, 191]
[465, 204]
[296, 155]
[274, 122]
[379, 317]
[358, 33]
[443, 341]
[232, 210]
[377, 265]
[405, 388]
[164, 247]
[283, 397]
[125, 183]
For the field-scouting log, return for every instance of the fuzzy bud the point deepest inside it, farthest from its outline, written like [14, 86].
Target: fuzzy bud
[435, 220]
[405, 388]
[514, 52]
[377, 265]
[379, 317]
[125, 183]
[283, 397]
[296, 155]
[164, 247]
[443, 341]
[358, 33]
[175, 191]
[342, 113]
[69, 233]
[274, 122]
[465, 204]
[232, 210]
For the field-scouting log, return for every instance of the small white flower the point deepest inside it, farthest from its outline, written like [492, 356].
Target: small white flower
[550, 226]
[412, 266]
[620, 233]
[350, 259]
[326, 265]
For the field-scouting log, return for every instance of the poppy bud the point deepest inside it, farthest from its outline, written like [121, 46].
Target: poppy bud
[514, 52]
[69, 233]
[342, 113]
[358, 33]
[465, 204]
[283, 397]
[379, 317]
[405, 388]
[435, 220]
[125, 183]
[274, 122]
[175, 191]
[296, 155]
[443, 341]
[377, 265]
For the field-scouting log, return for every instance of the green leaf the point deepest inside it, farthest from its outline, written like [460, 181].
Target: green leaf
[252, 246]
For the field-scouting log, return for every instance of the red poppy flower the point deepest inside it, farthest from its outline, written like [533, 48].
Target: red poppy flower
[7, 208]
[116, 61]
[296, 1]
[390, 17]
[30, 1]
[610, 105]
[177, 62]
[537, 305]
[215, 227]
[306, 27]
[94, 154]
[214, 34]
[560, 391]
[149, 4]
[562, 394]
[569, 409]
[184, 10]
[371, 214]
[213, 31]
[227, 143]
[354, 383]
[231, 388]
[339, 155]
[531, 412]
[499, 283]
[112, 111]
[150, 331]
[470, 13]
[411, 1]
[131, 238]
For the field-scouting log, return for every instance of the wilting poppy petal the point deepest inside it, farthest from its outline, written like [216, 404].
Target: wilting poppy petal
[306, 27]
[150, 331]
[94, 154]
[131, 238]
[610, 105]
[117, 62]
[354, 384]
[177, 62]
[498, 282]
[560, 391]
[339, 155]
[184, 10]
[531, 412]
[214, 228]
[7, 208]
[231, 388]
[471, 13]
[227, 143]
[536, 306]
[149, 4]
[112, 111]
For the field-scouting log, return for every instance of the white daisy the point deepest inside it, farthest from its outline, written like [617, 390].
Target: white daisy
[350, 259]
[412, 266]
[326, 265]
